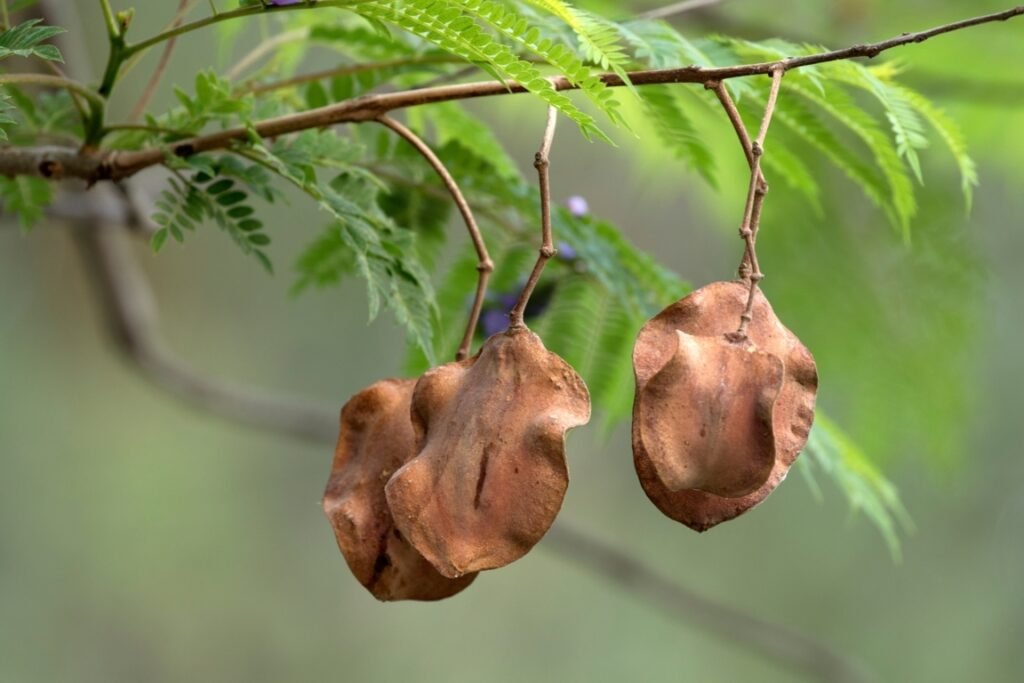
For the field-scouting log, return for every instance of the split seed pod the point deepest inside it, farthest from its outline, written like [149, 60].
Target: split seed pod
[490, 473]
[376, 440]
[707, 496]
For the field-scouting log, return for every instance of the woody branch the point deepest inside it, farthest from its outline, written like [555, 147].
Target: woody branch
[94, 166]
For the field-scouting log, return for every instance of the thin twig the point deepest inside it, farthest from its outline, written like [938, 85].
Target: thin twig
[76, 99]
[51, 82]
[262, 49]
[722, 92]
[542, 163]
[218, 17]
[750, 267]
[165, 58]
[122, 165]
[676, 8]
[484, 266]
[133, 320]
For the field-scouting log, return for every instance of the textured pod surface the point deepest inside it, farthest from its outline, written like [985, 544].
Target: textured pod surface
[376, 439]
[710, 311]
[490, 474]
[705, 418]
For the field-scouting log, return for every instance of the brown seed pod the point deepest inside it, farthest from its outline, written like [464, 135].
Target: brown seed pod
[376, 439]
[705, 419]
[713, 311]
[490, 474]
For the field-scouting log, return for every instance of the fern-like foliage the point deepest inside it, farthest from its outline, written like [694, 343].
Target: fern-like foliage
[26, 198]
[599, 39]
[210, 193]
[833, 452]
[28, 40]
[6, 108]
[452, 27]
[361, 237]
[676, 129]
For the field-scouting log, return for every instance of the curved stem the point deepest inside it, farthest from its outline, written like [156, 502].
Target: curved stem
[750, 268]
[158, 72]
[52, 82]
[113, 30]
[484, 266]
[227, 16]
[265, 47]
[547, 248]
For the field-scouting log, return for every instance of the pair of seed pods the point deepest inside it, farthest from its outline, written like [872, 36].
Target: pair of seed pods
[464, 469]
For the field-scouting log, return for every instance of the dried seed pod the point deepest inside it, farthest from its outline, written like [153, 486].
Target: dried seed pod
[713, 311]
[490, 474]
[705, 419]
[376, 440]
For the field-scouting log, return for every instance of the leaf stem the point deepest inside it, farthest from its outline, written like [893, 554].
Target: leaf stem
[4, 15]
[485, 265]
[158, 72]
[547, 248]
[53, 82]
[226, 16]
[113, 30]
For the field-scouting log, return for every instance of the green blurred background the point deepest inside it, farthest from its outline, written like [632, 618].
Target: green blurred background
[141, 540]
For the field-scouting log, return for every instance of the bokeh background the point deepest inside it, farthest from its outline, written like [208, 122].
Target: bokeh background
[142, 540]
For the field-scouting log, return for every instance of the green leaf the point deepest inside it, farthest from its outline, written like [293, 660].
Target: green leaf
[446, 25]
[158, 240]
[676, 130]
[26, 197]
[5, 117]
[830, 450]
[208, 195]
[361, 237]
[598, 37]
[25, 40]
[950, 134]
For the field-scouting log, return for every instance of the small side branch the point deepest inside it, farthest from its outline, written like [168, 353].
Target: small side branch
[750, 269]
[52, 82]
[165, 57]
[677, 8]
[542, 163]
[484, 264]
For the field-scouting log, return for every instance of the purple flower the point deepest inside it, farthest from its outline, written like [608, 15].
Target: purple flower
[578, 206]
[566, 252]
[493, 321]
[508, 300]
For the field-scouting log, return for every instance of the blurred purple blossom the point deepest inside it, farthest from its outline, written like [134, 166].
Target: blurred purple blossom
[578, 206]
[566, 252]
[509, 299]
[493, 321]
